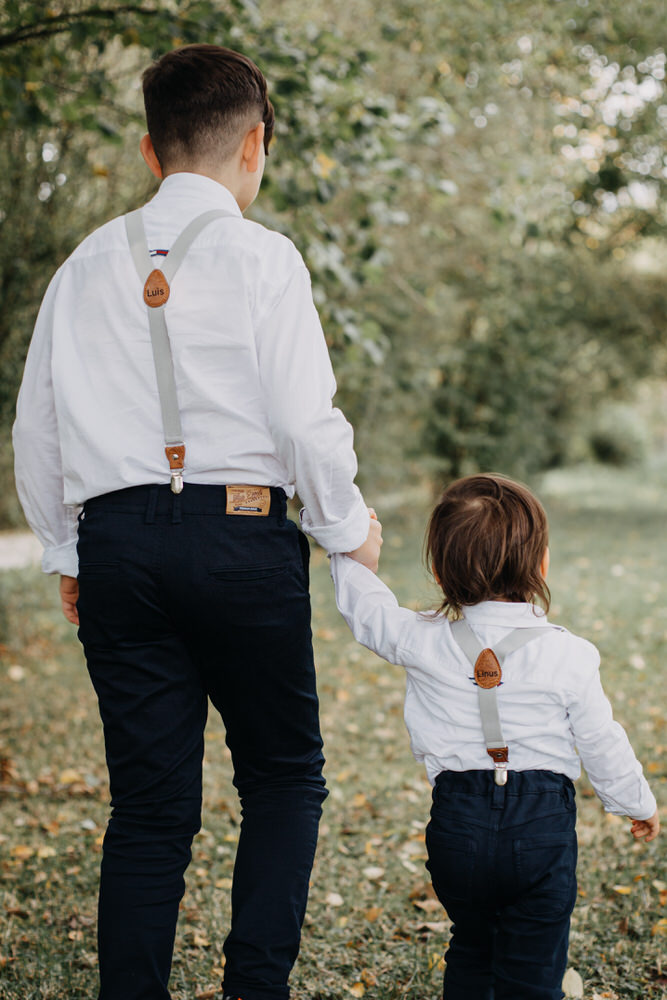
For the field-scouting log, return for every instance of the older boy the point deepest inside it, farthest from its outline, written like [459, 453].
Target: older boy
[202, 593]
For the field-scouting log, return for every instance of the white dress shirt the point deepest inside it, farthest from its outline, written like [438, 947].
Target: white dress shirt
[550, 699]
[253, 376]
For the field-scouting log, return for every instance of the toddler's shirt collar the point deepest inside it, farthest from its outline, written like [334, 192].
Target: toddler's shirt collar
[505, 613]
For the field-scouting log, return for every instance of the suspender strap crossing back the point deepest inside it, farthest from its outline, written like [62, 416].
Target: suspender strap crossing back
[487, 664]
[156, 283]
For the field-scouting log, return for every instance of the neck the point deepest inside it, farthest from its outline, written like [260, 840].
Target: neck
[227, 178]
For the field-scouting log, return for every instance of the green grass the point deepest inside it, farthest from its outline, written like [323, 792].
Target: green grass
[373, 927]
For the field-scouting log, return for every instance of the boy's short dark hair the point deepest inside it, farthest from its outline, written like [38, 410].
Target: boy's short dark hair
[200, 100]
[485, 541]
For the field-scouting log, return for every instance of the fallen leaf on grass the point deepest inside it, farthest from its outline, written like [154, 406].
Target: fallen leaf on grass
[436, 961]
[69, 776]
[573, 985]
[22, 852]
[429, 905]
[356, 989]
[334, 899]
[372, 914]
[372, 873]
[622, 890]
[424, 889]
[660, 927]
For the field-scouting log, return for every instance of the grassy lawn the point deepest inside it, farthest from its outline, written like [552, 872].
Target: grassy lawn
[373, 928]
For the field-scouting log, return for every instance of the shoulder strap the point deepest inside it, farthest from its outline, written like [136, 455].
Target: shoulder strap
[162, 357]
[466, 639]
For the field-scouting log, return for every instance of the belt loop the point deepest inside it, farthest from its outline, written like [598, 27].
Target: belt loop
[279, 498]
[176, 508]
[151, 506]
[498, 796]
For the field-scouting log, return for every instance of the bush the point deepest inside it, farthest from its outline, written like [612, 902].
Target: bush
[619, 436]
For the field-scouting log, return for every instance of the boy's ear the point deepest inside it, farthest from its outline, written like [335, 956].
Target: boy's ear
[252, 148]
[150, 157]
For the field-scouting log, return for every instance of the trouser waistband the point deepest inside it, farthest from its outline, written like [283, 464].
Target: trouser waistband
[196, 498]
[518, 782]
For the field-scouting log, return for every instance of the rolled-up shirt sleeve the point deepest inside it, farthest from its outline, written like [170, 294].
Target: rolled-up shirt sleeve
[312, 437]
[37, 456]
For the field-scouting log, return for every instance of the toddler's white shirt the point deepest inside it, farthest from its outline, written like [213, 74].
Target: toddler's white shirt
[253, 376]
[550, 699]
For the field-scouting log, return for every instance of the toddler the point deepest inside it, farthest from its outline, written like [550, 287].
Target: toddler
[497, 699]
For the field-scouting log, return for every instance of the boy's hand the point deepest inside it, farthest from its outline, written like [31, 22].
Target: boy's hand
[69, 594]
[648, 828]
[368, 554]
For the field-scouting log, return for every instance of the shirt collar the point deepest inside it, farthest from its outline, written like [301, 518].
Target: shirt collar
[505, 613]
[202, 192]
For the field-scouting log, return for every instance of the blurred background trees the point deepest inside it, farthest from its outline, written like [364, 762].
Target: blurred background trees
[478, 190]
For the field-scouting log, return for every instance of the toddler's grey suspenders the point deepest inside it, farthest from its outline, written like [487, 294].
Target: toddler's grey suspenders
[487, 664]
[156, 284]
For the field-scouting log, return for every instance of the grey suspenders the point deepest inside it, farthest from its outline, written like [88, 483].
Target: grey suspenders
[156, 282]
[487, 664]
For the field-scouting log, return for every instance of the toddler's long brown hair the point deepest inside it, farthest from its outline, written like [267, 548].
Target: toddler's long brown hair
[485, 542]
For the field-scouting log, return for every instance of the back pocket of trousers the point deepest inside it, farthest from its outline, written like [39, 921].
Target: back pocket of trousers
[451, 862]
[545, 870]
[237, 574]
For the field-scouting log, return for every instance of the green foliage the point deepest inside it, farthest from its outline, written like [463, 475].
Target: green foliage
[619, 436]
[469, 185]
[543, 343]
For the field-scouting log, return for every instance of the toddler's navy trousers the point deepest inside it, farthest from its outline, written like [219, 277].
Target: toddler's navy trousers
[180, 602]
[503, 863]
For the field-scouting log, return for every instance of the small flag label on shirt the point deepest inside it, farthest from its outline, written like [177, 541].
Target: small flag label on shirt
[252, 501]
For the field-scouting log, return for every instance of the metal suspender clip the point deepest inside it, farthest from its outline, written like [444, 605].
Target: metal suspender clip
[500, 758]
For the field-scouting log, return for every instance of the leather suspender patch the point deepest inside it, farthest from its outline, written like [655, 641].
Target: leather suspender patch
[156, 289]
[487, 669]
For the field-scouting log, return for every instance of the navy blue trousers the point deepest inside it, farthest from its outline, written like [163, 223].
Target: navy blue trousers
[180, 603]
[503, 864]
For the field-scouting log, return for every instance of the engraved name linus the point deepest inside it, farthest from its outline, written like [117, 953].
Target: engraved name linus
[156, 289]
[487, 669]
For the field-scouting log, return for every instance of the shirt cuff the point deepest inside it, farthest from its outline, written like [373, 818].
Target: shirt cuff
[61, 559]
[343, 536]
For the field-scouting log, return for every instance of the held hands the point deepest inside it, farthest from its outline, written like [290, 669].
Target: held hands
[368, 554]
[646, 828]
[69, 594]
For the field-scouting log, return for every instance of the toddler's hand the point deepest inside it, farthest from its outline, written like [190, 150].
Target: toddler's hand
[648, 828]
[368, 554]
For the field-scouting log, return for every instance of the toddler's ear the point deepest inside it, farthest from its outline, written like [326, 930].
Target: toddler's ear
[544, 565]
